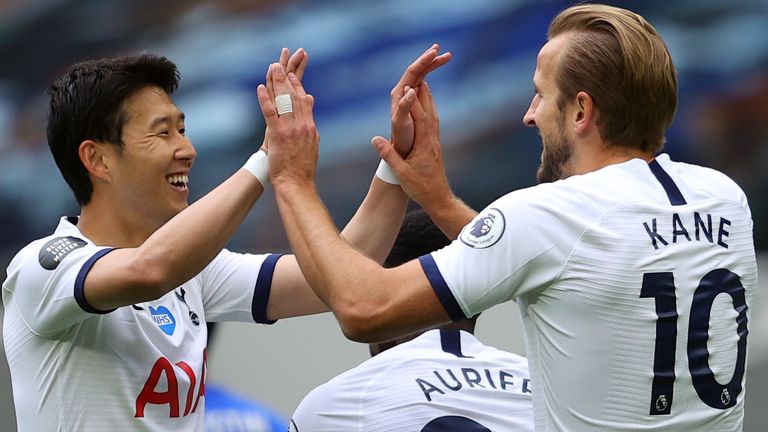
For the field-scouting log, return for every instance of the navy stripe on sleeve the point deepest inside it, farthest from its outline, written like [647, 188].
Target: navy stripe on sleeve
[444, 293]
[262, 290]
[80, 283]
[673, 193]
[450, 340]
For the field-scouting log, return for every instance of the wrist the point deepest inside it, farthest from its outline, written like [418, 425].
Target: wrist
[258, 165]
[385, 173]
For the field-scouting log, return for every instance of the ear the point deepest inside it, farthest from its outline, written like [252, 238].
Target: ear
[95, 157]
[585, 113]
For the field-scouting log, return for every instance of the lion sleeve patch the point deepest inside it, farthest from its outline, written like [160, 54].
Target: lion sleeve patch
[57, 249]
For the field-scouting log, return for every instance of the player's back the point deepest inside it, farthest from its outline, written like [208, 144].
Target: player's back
[442, 380]
[645, 327]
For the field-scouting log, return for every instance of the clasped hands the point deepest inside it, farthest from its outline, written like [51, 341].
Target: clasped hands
[413, 150]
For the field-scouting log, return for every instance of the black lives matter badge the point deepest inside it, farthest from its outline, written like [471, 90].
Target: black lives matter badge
[55, 250]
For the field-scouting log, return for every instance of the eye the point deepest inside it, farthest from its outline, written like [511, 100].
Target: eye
[182, 131]
[164, 133]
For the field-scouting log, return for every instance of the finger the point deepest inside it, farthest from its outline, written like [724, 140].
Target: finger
[439, 61]
[387, 151]
[267, 104]
[425, 99]
[411, 74]
[270, 84]
[403, 110]
[282, 86]
[302, 102]
[297, 63]
[417, 110]
[415, 69]
[284, 54]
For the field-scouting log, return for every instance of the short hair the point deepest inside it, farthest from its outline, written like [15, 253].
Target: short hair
[620, 60]
[87, 101]
[418, 236]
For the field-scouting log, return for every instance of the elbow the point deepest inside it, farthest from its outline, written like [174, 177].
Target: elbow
[359, 323]
[149, 280]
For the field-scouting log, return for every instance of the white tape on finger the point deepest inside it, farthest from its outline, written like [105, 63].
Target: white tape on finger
[283, 104]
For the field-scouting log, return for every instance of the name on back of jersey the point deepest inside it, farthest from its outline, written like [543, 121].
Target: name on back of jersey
[441, 382]
[691, 227]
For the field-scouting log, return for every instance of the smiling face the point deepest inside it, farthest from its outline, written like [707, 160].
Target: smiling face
[150, 173]
[545, 114]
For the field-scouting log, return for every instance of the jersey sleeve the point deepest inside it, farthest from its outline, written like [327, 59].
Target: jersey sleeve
[236, 287]
[330, 407]
[516, 246]
[45, 283]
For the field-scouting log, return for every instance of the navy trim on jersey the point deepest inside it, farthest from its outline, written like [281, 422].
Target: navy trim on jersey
[444, 293]
[450, 340]
[80, 283]
[262, 290]
[675, 196]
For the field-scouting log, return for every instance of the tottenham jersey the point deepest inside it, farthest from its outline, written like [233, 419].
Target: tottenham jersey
[135, 368]
[634, 283]
[444, 380]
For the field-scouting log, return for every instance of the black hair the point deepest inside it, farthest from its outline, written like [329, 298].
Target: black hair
[418, 236]
[87, 104]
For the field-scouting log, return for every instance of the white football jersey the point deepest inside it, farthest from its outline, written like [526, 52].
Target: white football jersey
[443, 380]
[135, 368]
[634, 283]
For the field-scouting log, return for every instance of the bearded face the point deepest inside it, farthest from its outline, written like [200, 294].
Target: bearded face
[556, 153]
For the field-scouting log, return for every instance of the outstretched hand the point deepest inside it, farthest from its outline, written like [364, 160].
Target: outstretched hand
[402, 132]
[292, 137]
[422, 171]
[295, 63]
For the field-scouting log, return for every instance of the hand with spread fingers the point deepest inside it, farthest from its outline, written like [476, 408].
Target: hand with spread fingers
[402, 122]
[295, 63]
[291, 131]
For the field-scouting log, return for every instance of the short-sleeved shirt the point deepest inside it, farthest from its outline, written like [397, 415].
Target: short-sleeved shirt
[135, 368]
[442, 380]
[634, 283]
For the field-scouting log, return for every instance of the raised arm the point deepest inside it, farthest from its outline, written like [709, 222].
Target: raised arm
[422, 172]
[375, 224]
[185, 245]
[370, 302]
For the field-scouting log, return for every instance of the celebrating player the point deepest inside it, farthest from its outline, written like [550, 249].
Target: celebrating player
[440, 380]
[634, 273]
[104, 324]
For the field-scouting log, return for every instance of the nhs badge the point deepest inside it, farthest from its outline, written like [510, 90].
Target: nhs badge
[164, 319]
[485, 230]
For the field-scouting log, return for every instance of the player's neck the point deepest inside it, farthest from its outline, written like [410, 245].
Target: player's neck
[593, 158]
[110, 225]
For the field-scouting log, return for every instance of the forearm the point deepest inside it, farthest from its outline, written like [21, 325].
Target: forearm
[449, 213]
[333, 268]
[177, 251]
[375, 225]
[190, 240]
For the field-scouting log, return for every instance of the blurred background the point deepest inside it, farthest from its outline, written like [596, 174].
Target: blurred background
[358, 50]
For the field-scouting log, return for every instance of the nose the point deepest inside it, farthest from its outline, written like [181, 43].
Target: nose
[529, 119]
[186, 151]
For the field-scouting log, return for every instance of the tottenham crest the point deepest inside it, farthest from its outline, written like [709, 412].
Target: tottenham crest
[485, 230]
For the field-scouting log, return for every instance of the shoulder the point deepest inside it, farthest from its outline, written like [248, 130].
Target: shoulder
[706, 182]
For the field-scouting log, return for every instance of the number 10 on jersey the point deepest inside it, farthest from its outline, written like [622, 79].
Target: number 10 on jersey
[661, 287]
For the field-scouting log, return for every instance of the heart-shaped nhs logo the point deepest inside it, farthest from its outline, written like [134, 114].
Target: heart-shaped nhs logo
[164, 319]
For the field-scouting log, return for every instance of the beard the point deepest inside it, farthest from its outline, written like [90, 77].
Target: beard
[557, 152]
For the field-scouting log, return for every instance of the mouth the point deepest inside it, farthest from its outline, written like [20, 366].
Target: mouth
[179, 182]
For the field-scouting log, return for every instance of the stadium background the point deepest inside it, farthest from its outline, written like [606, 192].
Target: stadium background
[357, 50]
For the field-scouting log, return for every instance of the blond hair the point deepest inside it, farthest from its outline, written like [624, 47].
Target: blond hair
[619, 59]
